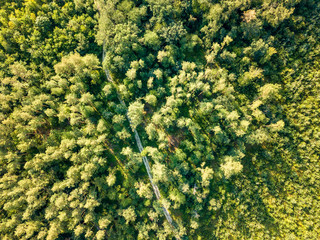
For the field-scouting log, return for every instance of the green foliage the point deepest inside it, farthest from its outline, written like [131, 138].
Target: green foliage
[224, 95]
[135, 113]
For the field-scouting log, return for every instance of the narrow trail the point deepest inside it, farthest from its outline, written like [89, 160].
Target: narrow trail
[140, 147]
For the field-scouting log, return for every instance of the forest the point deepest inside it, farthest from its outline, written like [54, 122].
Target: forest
[160, 119]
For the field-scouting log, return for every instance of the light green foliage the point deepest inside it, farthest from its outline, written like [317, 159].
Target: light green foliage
[132, 73]
[252, 75]
[206, 175]
[143, 190]
[230, 167]
[275, 13]
[160, 172]
[151, 99]
[129, 215]
[178, 198]
[269, 92]
[152, 40]
[135, 113]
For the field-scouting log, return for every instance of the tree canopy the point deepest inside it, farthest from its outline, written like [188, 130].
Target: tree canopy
[223, 94]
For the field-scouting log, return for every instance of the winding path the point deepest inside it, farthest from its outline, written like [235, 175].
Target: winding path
[140, 147]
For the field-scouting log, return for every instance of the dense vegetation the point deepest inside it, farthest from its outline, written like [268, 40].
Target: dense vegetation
[225, 96]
